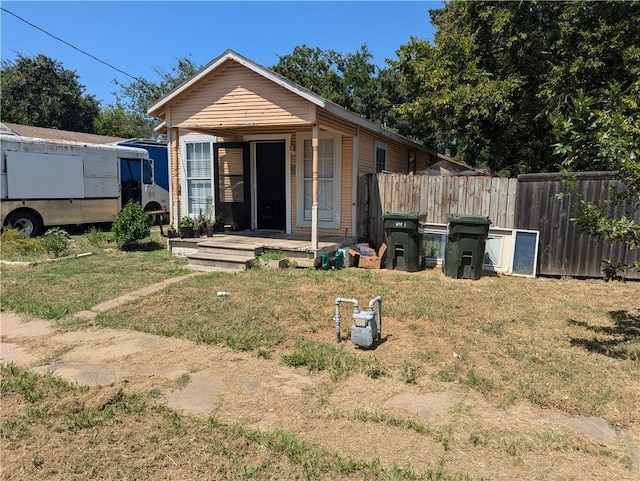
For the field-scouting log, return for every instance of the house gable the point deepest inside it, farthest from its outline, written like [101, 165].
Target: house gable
[235, 96]
[285, 96]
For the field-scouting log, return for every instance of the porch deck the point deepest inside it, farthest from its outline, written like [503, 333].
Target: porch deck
[233, 250]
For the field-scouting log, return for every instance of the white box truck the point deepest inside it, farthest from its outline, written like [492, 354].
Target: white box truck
[47, 183]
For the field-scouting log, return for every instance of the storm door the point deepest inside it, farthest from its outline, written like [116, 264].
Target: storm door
[271, 206]
[231, 174]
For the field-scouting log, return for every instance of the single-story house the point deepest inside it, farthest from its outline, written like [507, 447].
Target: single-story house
[271, 155]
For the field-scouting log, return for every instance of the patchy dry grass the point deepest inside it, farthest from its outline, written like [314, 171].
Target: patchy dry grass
[573, 345]
[59, 289]
[51, 429]
[506, 346]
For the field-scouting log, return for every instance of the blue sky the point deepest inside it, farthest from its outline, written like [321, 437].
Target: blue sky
[138, 37]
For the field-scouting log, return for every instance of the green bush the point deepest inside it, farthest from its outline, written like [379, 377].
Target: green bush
[55, 241]
[97, 238]
[16, 246]
[131, 225]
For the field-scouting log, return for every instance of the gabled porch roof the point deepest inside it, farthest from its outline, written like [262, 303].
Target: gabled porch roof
[158, 108]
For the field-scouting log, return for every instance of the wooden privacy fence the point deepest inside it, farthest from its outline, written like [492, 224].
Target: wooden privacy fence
[435, 198]
[563, 251]
[529, 202]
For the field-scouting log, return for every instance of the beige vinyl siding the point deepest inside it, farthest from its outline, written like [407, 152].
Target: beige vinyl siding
[425, 159]
[235, 97]
[326, 121]
[397, 154]
[397, 158]
[347, 184]
[365, 165]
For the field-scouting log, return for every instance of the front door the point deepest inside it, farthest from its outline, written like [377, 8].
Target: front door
[271, 207]
[231, 175]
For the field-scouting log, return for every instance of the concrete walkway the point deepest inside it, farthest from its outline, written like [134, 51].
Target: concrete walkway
[237, 386]
[145, 291]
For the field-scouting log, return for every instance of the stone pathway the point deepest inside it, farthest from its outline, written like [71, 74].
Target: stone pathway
[206, 380]
[118, 301]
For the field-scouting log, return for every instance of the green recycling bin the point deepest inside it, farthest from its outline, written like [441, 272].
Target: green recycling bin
[464, 250]
[403, 241]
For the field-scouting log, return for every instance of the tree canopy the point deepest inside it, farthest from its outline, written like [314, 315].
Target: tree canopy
[129, 113]
[486, 91]
[350, 80]
[604, 133]
[38, 91]
[498, 71]
[117, 121]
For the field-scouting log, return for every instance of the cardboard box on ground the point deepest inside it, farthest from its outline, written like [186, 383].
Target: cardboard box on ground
[373, 261]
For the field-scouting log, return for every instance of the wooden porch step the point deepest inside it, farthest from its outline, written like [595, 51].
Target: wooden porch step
[201, 268]
[302, 262]
[235, 252]
[219, 261]
[228, 248]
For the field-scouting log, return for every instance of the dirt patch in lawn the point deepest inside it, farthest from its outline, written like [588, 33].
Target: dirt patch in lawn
[429, 425]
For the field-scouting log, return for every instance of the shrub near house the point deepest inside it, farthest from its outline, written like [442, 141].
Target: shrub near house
[131, 225]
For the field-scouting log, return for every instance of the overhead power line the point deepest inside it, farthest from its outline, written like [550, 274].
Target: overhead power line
[74, 47]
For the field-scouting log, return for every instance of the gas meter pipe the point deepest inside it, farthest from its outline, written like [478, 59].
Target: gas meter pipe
[337, 319]
[373, 301]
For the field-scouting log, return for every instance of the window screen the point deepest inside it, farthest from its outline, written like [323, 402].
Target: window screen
[326, 162]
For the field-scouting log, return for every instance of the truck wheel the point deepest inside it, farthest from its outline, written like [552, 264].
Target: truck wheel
[157, 218]
[29, 223]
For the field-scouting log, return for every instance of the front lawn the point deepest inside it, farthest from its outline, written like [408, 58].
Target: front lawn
[568, 344]
[53, 290]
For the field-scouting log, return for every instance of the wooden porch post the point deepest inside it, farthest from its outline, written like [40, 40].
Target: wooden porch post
[314, 190]
[174, 177]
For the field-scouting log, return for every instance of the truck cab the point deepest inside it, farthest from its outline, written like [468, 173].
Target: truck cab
[45, 183]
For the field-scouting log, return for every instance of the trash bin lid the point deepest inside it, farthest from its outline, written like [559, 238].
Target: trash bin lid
[469, 219]
[401, 216]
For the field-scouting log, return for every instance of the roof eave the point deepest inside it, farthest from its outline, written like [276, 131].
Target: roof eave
[368, 124]
[161, 128]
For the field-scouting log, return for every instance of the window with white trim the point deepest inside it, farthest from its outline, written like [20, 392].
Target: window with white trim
[329, 165]
[197, 166]
[380, 156]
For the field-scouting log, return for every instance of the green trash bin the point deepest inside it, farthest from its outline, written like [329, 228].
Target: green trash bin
[403, 241]
[464, 251]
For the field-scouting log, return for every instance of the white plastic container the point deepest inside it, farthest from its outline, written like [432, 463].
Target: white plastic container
[345, 256]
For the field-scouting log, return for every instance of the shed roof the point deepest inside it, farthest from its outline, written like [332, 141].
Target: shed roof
[449, 166]
[157, 109]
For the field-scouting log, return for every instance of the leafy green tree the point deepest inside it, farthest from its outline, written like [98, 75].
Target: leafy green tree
[388, 94]
[116, 121]
[604, 133]
[498, 70]
[350, 80]
[314, 69]
[39, 91]
[135, 97]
